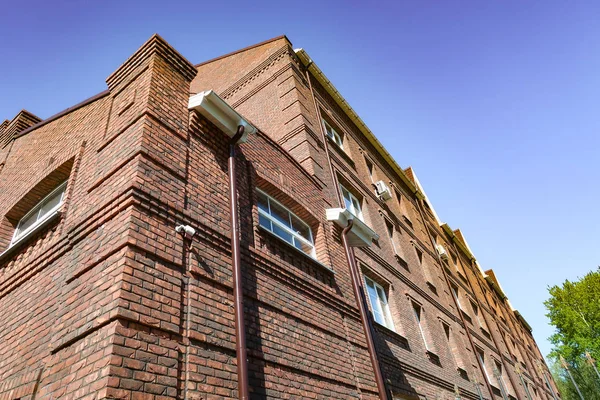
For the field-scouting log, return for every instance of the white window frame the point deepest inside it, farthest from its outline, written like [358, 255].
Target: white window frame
[333, 135]
[19, 235]
[354, 203]
[475, 309]
[456, 296]
[481, 358]
[382, 307]
[294, 234]
[418, 318]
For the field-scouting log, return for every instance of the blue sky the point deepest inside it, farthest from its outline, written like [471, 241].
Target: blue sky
[494, 104]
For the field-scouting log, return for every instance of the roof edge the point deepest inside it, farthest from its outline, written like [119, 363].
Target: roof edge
[338, 98]
[63, 113]
[244, 49]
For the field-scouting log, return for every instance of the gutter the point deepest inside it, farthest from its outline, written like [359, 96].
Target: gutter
[341, 101]
[522, 320]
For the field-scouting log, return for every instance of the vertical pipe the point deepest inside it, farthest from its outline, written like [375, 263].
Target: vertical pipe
[238, 292]
[592, 363]
[566, 367]
[547, 381]
[498, 376]
[520, 373]
[485, 319]
[476, 384]
[354, 275]
[458, 309]
[366, 320]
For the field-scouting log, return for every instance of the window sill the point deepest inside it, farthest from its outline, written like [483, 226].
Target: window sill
[408, 222]
[25, 238]
[467, 317]
[434, 358]
[308, 257]
[395, 335]
[463, 373]
[402, 262]
[432, 287]
[485, 333]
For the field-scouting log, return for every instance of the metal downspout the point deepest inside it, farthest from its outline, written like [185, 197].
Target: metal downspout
[366, 320]
[238, 292]
[458, 309]
[491, 333]
[354, 274]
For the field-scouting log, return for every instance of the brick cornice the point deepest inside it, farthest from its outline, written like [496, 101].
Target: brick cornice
[156, 45]
[22, 121]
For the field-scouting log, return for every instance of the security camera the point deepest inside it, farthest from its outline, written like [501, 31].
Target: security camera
[187, 230]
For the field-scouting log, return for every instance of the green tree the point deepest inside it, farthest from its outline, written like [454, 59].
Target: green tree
[574, 311]
[584, 375]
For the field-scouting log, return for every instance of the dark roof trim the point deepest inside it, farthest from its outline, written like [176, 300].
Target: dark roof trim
[63, 113]
[244, 49]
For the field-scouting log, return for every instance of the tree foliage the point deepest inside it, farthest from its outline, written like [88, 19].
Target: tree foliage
[574, 311]
[584, 375]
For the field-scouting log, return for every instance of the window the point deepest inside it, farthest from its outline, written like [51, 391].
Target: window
[370, 168]
[476, 312]
[449, 339]
[333, 135]
[417, 312]
[500, 374]
[40, 213]
[481, 358]
[390, 230]
[455, 294]
[379, 304]
[277, 219]
[419, 255]
[352, 203]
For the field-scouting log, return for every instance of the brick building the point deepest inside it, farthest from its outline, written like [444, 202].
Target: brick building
[102, 297]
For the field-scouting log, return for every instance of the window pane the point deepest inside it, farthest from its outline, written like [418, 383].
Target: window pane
[303, 246]
[338, 139]
[328, 129]
[51, 203]
[374, 299]
[263, 202]
[381, 295]
[280, 214]
[285, 235]
[264, 222]
[28, 221]
[301, 228]
[280, 221]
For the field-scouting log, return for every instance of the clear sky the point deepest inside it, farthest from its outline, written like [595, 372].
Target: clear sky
[493, 103]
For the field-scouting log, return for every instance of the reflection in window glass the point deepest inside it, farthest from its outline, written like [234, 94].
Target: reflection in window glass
[276, 218]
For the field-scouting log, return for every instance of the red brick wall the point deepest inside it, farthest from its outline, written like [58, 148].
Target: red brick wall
[110, 302]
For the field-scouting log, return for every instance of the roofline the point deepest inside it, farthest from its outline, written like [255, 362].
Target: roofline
[523, 321]
[63, 113]
[244, 49]
[492, 279]
[326, 83]
[464, 248]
